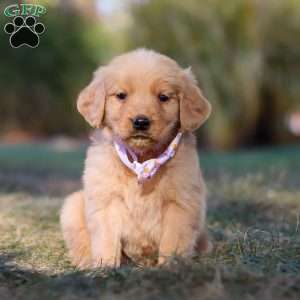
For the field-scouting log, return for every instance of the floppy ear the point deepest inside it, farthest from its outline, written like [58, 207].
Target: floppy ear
[91, 100]
[194, 108]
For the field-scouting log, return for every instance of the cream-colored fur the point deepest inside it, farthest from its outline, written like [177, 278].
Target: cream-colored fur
[114, 216]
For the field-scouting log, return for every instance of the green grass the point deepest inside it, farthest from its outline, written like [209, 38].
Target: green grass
[253, 217]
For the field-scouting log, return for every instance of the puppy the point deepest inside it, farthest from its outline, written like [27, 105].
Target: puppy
[143, 195]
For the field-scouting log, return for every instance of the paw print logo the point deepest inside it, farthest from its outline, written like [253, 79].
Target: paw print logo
[24, 32]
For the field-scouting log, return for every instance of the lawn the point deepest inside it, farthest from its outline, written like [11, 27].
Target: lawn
[253, 217]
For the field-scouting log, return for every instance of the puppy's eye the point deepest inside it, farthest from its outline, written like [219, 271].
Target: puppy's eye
[163, 97]
[121, 96]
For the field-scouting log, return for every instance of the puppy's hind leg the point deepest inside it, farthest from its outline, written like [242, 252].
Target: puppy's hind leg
[74, 230]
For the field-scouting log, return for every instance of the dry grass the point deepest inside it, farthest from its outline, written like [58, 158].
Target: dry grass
[254, 209]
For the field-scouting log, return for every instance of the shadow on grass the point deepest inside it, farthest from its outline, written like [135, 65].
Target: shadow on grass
[180, 280]
[245, 213]
[126, 282]
[36, 183]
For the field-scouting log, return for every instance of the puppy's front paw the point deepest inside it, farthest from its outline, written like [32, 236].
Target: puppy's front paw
[164, 260]
[101, 262]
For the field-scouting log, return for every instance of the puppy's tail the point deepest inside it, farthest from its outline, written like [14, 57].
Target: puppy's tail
[74, 230]
[204, 244]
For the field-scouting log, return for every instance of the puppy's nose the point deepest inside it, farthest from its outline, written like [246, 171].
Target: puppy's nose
[141, 123]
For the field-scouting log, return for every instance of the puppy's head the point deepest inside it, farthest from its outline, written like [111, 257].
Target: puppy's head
[144, 98]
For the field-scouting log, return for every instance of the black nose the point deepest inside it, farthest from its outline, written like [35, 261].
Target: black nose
[141, 123]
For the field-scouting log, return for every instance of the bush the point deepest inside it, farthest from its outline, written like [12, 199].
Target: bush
[39, 86]
[244, 54]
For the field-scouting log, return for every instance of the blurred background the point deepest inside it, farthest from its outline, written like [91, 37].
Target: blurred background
[245, 54]
[246, 57]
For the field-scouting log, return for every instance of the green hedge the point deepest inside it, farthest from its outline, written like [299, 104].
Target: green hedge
[39, 86]
[245, 54]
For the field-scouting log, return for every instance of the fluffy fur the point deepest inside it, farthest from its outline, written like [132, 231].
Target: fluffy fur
[114, 217]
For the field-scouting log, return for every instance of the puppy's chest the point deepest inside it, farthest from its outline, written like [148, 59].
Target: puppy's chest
[142, 222]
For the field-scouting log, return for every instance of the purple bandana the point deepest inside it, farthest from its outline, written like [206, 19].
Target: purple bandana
[148, 168]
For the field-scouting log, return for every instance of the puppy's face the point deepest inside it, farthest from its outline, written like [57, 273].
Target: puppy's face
[142, 105]
[144, 98]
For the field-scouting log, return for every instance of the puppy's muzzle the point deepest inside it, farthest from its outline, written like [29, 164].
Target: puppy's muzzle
[141, 123]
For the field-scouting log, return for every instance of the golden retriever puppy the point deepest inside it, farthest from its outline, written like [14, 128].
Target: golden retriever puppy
[143, 194]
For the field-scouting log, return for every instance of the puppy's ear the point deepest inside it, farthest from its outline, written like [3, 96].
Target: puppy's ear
[194, 108]
[91, 100]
